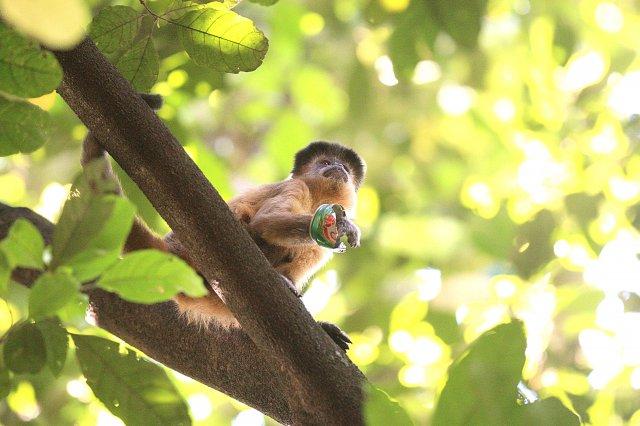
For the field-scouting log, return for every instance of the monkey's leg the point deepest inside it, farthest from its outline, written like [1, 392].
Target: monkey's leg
[337, 335]
[206, 310]
[200, 310]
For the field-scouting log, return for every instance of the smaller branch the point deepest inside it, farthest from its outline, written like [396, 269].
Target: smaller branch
[226, 360]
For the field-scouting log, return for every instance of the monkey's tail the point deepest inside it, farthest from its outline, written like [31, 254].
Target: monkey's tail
[140, 236]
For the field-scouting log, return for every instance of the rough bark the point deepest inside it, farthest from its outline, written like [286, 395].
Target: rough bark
[317, 383]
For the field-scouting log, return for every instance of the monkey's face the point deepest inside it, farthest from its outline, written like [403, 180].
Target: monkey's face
[333, 168]
[330, 161]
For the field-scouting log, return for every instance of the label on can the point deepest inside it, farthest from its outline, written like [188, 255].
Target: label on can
[324, 227]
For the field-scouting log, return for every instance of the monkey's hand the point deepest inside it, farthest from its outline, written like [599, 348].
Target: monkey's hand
[348, 228]
[338, 336]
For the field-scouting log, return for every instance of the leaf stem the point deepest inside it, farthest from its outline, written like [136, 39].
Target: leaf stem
[155, 15]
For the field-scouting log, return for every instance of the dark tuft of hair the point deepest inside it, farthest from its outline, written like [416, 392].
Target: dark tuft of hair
[316, 149]
[154, 101]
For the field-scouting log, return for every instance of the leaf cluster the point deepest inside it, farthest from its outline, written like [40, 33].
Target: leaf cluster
[85, 253]
[211, 33]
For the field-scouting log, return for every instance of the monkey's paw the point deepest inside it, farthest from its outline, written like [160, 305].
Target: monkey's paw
[338, 336]
[348, 228]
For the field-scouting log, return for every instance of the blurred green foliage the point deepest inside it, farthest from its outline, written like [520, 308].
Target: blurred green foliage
[503, 181]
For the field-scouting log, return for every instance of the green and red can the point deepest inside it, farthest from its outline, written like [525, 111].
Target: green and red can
[324, 227]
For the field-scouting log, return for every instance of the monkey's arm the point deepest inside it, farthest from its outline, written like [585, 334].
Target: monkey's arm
[284, 219]
[282, 228]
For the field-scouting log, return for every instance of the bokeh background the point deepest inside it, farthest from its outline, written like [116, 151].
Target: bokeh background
[503, 180]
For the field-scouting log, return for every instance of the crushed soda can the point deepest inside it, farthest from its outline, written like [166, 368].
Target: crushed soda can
[324, 227]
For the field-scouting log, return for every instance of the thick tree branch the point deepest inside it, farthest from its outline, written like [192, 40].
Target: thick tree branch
[324, 384]
[225, 360]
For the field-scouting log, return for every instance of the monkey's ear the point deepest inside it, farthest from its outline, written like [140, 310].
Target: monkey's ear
[358, 166]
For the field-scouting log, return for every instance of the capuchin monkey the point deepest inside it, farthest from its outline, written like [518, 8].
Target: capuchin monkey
[278, 218]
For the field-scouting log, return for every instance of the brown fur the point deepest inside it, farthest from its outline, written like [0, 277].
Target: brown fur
[277, 216]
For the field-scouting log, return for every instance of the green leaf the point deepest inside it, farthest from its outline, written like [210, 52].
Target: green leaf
[115, 28]
[178, 8]
[145, 209]
[222, 40]
[132, 388]
[51, 292]
[28, 71]
[140, 65]
[80, 221]
[223, 4]
[461, 19]
[481, 388]
[23, 127]
[151, 276]
[59, 24]
[445, 325]
[534, 244]
[413, 28]
[382, 410]
[56, 341]
[90, 250]
[583, 206]
[24, 350]
[549, 411]
[493, 236]
[93, 227]
[23, 245]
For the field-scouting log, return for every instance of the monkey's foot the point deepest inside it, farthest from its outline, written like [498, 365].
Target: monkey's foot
[291, 286]
[338, 336]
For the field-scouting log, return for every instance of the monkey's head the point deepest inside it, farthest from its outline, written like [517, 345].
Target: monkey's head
[331, 161]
